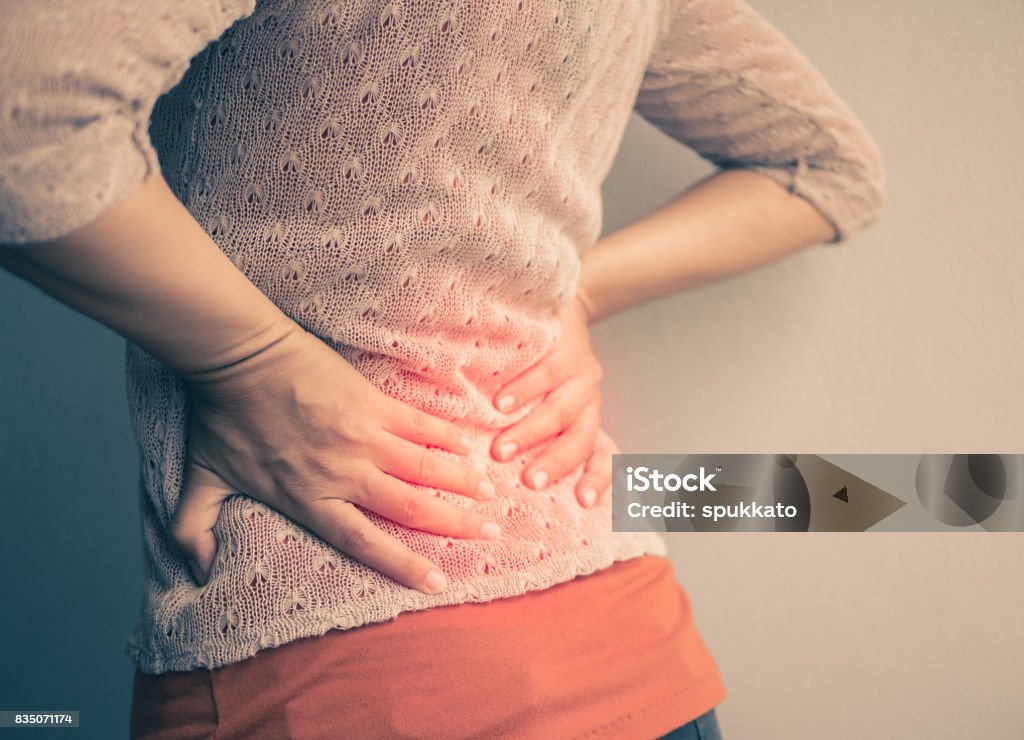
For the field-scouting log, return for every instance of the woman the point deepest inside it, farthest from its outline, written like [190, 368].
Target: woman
[347, 233]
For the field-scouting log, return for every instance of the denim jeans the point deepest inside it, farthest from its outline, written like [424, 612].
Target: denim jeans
[705, 727]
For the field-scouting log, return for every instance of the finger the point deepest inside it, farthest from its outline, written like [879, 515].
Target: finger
[414, 464]
[402, 503]
[554, 414]
[418, 426]
[570, 449]
[202, 496]
[597, 474]
[537, 380]
[342, 525]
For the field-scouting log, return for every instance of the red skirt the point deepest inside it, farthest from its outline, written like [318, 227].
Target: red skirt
[612, 654]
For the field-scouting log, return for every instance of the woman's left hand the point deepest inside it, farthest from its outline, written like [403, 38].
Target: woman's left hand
[570, 376]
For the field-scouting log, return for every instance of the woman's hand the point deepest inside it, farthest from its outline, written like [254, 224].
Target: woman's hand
[301, 430]
[570, 376]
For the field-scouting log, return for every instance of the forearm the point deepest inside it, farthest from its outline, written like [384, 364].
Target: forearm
[727, 223]
[148, 271]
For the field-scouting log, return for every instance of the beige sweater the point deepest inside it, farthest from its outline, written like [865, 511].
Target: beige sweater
[413, 182]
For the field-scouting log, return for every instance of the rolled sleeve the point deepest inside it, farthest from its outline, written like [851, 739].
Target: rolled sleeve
[78, 85]
[725, 82]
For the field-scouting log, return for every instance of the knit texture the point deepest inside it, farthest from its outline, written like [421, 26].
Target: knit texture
[414, 183]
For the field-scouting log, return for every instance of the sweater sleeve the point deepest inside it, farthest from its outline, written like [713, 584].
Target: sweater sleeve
[78, 82]
[725, 82]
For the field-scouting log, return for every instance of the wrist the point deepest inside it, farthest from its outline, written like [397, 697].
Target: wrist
[250, 357]
[584, 305]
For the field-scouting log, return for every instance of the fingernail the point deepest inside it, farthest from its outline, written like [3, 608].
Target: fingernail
[486, 489]
[506, 402]
[589, 497]
[466, 442]
[435, 582]
[490, 531]
[539, 479]
[507, 450]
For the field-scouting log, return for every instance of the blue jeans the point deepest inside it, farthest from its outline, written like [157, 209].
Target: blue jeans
[705, 727]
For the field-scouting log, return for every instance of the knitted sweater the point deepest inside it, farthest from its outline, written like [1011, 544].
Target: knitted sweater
[413, 182]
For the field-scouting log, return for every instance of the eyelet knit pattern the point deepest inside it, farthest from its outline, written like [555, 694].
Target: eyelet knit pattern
[413, 182]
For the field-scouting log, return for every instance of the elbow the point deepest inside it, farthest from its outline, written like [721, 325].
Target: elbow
[864, 195]
[845, 182]
[873, 183]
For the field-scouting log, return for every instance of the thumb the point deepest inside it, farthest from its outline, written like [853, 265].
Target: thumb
[192, 525]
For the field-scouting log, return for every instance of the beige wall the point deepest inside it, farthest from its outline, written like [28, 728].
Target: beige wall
[908, 338]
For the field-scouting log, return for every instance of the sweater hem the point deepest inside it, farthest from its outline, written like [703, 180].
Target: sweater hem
[150, 658]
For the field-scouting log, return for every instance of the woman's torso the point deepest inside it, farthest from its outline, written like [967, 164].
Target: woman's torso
[413, 182]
